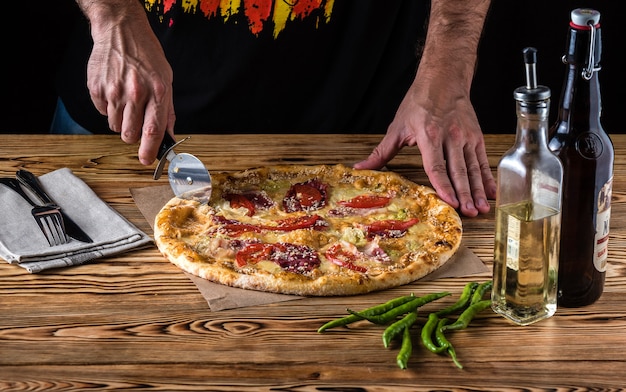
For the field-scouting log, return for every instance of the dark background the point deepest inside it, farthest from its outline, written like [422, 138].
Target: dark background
[35, 40]
[543, 24]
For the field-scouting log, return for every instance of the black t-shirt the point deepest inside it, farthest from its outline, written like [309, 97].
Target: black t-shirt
[314, 66]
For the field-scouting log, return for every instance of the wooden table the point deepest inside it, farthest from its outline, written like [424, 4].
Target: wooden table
[136, 322]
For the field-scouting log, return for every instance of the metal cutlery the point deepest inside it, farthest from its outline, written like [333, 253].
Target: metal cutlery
[31, 182]
[48, 217]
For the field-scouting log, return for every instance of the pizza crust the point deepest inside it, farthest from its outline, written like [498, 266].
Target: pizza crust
[181, 225]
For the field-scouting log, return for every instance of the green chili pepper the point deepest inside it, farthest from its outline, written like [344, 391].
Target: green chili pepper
[394, 329]
[405, 350]
[444, 342]
[463, 301]
[340, 322]
[434, 319]
[374, 310]
[440, 336]
[394, 313]
[480, 291]
[452, 354]
[470, 302]
[428, 330]
[467, 315]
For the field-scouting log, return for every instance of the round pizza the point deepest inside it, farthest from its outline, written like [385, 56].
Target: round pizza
[308, 230]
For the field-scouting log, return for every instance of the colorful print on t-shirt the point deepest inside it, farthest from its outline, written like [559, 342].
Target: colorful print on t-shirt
[260, 14]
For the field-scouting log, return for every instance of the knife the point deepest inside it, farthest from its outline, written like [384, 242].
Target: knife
[189, 178]
[30, 181]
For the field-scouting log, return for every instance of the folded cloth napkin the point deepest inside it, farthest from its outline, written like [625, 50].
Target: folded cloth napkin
[22, 243]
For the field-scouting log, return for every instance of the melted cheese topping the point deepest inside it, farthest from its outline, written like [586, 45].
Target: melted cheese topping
[204, 233]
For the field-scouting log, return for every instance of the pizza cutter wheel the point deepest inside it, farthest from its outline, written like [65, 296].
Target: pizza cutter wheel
[188, 176]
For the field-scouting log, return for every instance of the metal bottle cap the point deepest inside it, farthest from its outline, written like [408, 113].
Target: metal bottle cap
[583, 19]
[585, 16]
[531, 92]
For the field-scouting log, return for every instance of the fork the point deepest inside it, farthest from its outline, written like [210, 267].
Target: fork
[48, 217]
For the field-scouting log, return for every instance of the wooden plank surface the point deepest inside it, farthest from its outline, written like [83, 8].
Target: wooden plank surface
[136, 322]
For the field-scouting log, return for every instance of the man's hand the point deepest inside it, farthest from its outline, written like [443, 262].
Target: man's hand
[436, 114]
[128, 76]
[452, 147]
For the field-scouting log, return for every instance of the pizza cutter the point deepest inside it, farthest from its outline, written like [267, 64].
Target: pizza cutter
[188, 176]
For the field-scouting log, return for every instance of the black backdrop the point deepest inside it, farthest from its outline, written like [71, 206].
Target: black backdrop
[513, 25]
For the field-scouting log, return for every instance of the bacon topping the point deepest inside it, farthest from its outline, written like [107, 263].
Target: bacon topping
[374, 251]
[344, 254]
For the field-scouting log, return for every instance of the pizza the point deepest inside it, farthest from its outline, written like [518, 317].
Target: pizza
[310, 230]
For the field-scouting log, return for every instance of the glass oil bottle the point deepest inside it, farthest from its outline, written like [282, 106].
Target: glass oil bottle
[528, 211]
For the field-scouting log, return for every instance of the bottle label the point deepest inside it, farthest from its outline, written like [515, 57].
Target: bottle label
[547, 191]
[513, 243]
[601, 253]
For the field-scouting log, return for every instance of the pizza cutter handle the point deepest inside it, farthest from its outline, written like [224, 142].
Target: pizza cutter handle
[166, 145]
[165, 150]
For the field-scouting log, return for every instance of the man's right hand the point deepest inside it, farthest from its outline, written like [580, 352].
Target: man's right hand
[128, 77]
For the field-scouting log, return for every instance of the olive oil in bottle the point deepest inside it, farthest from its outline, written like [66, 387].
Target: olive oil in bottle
[528, 242]
[528, 211]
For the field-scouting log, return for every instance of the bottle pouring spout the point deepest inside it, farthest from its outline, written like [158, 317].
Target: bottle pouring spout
[530, 62]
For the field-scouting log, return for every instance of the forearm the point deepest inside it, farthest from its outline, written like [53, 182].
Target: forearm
[454, 31]
[104, 15]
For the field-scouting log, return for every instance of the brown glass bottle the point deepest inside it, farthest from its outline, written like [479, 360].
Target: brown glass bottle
[586, 152]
